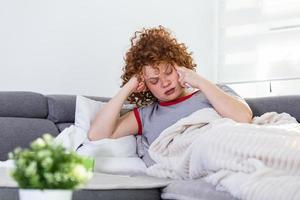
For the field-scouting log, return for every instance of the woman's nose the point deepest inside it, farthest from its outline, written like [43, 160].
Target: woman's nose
[165, 82]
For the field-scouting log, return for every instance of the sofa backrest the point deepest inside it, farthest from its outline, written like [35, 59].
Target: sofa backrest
[289, 104]
[62, 109]
[25, 116]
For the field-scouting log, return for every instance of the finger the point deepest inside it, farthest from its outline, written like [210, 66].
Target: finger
[183, 84]
[139, 87]
[181, 73]
[145, 89]
[142, 89]
[182, 76]
[144, 86]
[179, 69]
[181, 80]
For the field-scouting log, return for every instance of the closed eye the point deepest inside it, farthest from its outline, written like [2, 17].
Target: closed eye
[153, 80]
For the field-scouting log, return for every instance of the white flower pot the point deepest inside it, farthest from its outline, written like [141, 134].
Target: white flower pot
[47, 194]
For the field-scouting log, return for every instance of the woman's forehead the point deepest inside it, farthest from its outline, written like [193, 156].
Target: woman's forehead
[155, 70]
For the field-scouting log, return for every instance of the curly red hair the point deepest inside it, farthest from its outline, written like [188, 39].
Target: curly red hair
[152, 47]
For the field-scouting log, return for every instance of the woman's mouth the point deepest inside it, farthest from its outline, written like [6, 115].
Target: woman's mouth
[170, 91]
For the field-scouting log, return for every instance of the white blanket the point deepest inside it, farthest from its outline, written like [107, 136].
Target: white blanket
[250, 161]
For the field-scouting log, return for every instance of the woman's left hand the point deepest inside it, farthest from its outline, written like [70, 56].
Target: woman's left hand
[188, 77]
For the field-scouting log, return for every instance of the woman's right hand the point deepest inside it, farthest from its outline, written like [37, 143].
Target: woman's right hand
[136, 84]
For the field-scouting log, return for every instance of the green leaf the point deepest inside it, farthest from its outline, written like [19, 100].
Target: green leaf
[47, 165]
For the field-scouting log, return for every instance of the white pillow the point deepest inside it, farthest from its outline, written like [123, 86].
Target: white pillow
[121, 147]
[86, 111]
[116, 156]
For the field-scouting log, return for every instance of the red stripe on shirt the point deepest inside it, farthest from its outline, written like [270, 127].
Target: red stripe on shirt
[138, 119]
[169, 103]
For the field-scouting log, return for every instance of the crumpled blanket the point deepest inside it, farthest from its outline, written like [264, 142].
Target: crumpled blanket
[251, 161]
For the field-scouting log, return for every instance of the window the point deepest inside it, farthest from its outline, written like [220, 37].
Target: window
[259, 41]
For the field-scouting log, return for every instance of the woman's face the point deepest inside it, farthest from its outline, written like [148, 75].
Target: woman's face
[162, 81]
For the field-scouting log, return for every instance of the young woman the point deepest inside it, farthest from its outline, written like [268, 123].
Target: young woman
[158, 75]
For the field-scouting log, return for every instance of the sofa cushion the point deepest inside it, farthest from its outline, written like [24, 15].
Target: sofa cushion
[62, 126]
[21, 131]
[288, 104]
[23, 104]
[62, 107]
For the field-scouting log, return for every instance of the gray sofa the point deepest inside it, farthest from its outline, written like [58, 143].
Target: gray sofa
[25, 116]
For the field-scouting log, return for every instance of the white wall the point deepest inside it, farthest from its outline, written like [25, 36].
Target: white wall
[77, 47]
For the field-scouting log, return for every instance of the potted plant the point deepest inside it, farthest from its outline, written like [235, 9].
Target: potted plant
[47, 170]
